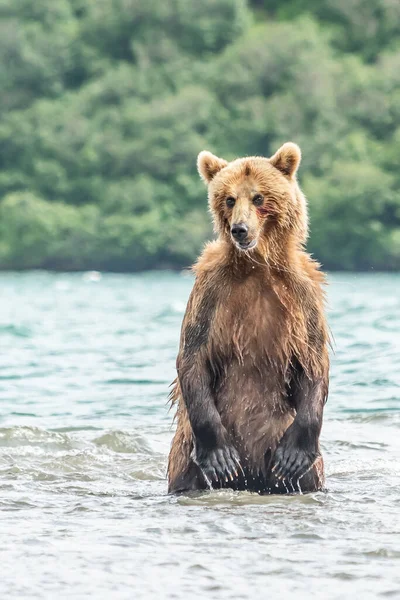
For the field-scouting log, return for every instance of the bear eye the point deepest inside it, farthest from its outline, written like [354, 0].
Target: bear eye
[258, 200]
[230, 202]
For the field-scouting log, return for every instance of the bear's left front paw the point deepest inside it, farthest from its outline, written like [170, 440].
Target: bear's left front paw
[295, 454]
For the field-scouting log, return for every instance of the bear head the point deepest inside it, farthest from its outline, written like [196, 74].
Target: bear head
[255, 201]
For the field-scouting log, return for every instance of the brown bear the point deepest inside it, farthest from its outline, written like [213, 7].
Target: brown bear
[253, 363]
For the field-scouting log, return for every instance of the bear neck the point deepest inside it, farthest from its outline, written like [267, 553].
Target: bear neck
[280, 252]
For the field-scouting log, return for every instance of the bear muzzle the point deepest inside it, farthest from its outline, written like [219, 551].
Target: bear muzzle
[239, 233]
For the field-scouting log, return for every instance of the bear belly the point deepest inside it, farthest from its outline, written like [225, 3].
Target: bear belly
[255, 411]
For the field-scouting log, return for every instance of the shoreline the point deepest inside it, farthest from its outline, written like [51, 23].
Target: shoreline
[167, 268]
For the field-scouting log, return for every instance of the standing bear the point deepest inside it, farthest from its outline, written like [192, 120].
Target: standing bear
[253, 363]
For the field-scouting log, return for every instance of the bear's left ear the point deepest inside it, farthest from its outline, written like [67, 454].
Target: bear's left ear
[208, 165]
[287, 159]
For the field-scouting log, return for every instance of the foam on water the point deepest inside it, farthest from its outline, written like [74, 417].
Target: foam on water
[85, 432]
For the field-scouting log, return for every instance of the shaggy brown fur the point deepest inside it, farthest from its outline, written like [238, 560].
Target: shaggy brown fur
[253, 361]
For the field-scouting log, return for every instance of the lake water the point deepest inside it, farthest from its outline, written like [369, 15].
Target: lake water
[84, 437]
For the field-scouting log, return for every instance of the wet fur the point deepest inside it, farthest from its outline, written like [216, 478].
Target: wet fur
[253, 358]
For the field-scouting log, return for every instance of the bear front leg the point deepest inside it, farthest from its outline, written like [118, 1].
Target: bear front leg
[212, 451]
[298, 448]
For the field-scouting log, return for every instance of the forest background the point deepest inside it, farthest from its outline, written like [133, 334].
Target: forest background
[105, 104]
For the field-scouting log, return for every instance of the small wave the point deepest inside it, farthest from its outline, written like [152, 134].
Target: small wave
[92, 276]
[361, 445]
[122, 442]
[26, 375]
[150, 469]
[34, 436]
[390, 417]
[382, 553]
[16, 505]
[16, 330]
[77, 428]
[128, 381]
[386, 409]
[175, 308]
[361, 469]
[232, 498]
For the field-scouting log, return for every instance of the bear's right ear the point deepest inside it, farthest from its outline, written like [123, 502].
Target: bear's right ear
[208, 165]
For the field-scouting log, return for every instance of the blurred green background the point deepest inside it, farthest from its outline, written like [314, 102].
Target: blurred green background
[105, 105]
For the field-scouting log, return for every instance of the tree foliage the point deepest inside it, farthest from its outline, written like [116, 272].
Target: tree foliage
[105, 106]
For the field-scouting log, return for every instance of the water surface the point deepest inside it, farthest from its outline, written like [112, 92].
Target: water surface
[85, 432]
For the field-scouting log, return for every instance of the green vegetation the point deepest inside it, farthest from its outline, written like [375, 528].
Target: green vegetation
[106, 103]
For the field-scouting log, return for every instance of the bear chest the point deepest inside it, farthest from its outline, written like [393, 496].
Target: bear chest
[250, 323]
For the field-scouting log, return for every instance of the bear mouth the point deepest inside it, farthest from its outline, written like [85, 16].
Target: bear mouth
[246, 245]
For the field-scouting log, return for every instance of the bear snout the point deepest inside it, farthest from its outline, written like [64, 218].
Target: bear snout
[239, 231]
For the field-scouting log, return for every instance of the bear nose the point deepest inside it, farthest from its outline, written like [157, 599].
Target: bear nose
[239, 231]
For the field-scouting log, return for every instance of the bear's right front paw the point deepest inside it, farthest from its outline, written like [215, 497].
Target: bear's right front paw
[219, 465]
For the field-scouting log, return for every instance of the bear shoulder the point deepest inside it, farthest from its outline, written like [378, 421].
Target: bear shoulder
[213, 256]
[311, 270]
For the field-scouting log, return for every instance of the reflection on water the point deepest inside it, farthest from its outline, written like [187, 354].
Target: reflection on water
[85, 432]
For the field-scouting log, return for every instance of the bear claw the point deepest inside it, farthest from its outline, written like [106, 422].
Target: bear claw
[294, 456]
[292, 467]
[219, 465]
